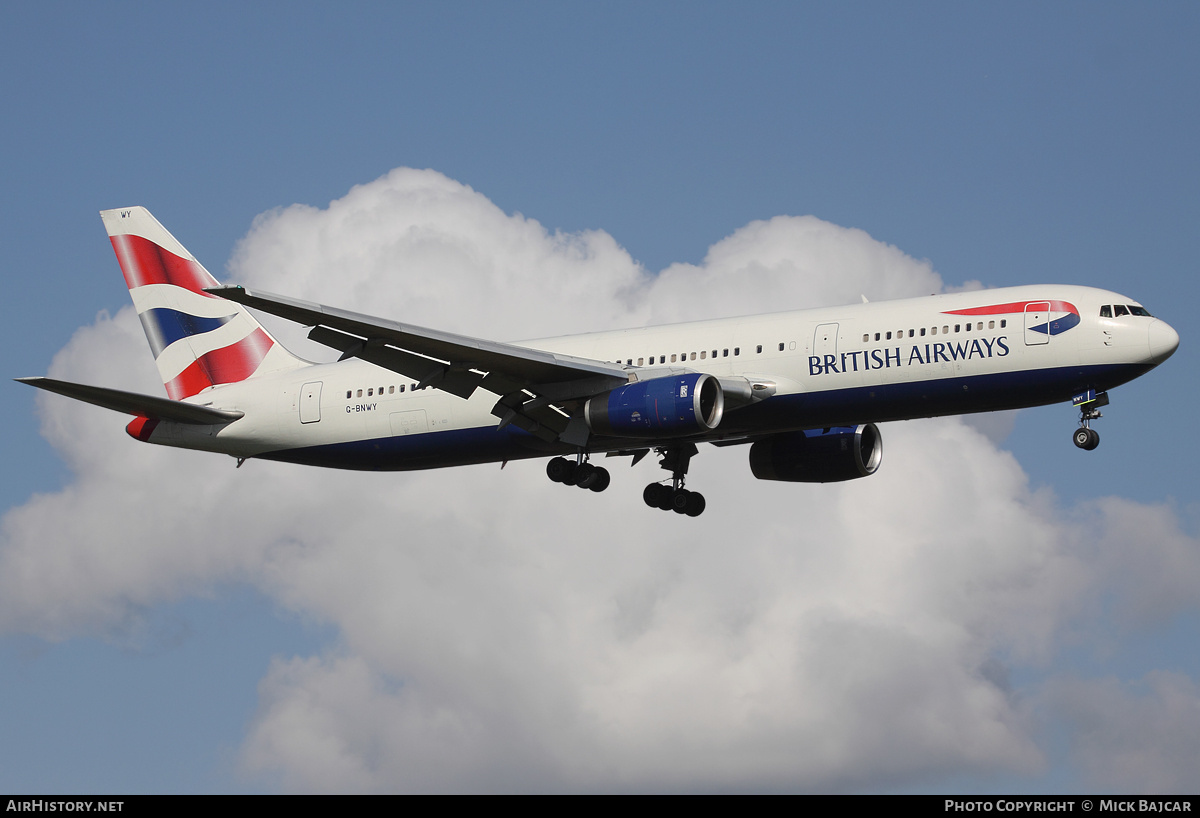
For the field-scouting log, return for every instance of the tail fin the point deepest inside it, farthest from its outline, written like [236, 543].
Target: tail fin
[198, 340]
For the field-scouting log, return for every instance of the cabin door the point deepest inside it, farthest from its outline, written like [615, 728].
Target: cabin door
[1037, 323]
[310, 402]
[825, 340]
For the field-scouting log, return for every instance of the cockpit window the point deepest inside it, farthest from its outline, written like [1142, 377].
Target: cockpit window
[1142, 311]
[1106, 311]
[1121, 310]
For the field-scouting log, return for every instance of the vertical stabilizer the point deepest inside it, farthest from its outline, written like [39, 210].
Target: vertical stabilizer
[198, 340]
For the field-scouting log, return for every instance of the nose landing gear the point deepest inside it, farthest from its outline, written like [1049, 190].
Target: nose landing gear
[1086, 438]
[1089, 404]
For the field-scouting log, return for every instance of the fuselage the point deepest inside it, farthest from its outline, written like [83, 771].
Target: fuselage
[957, 353]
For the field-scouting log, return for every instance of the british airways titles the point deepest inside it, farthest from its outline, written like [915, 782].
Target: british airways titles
[865, 360]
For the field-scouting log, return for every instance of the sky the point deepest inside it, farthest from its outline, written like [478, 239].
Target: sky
[993, 611]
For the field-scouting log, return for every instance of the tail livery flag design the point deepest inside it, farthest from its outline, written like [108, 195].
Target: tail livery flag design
[198, 341]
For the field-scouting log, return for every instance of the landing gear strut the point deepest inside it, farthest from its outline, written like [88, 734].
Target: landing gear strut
[675, 497]
[578, 472]
[1089, 404]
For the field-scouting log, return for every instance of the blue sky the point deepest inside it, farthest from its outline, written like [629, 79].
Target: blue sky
[1006, 144]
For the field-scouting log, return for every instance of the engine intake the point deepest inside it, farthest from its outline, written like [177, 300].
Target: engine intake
[676, 405]
[818, 455]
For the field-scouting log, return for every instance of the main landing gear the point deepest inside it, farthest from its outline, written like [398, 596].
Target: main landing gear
[578, 473]
[1089, 404]
[675, 497]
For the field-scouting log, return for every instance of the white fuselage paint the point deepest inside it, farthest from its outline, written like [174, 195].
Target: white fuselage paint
[825, 374]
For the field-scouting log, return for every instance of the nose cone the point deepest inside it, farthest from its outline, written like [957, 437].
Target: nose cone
[1163, 341]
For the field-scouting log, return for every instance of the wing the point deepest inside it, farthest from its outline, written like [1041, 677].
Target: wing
[539, 391]
[132, 403]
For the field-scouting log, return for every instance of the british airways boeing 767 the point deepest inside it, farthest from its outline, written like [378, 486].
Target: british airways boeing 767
[802, 389]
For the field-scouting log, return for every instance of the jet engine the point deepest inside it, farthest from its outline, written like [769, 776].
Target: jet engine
[675, 405]
[818, 455]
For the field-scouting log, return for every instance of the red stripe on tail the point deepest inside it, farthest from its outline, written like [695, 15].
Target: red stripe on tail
[230, 364]
[144, 262]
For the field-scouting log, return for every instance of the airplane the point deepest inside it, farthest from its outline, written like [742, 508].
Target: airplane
[803, 390]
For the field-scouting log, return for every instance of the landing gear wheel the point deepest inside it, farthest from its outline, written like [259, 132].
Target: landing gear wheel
[695, 504]
[679, 501]
[652, 494]
[600, 483]
[556, 469]
[570, 473]
[1086, 438]
[585, 475]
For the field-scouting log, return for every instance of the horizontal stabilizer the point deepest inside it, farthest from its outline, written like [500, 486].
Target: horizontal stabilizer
[132, 403]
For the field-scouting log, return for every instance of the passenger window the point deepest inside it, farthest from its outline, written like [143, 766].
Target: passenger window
[866, 338]
[758, 348]
[889, 336]
[725, 354]
[737, 351]
[640, 360]
[672, 359]
[703, 354]
[946, 330]
[933, 331]
[714, 353]
[360, 393]
[781, 347]
[1121, 310]
[391, 390]
[922, 332]
[910, 333]
[1003, 323]
[401, 388]
[877, 336]
[991, 324]
[349, 394]
[968, 327]
[662, 359]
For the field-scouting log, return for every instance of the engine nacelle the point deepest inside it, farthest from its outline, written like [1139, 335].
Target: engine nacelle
[675, 405]
[818, 455]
